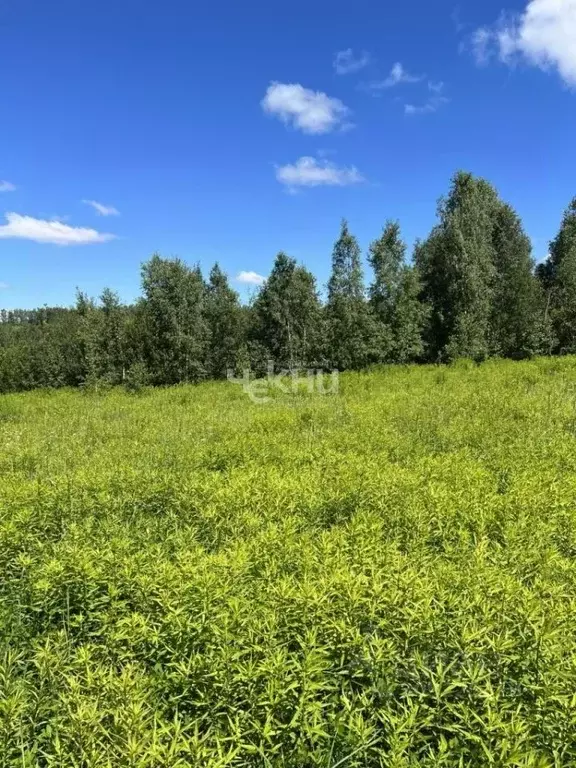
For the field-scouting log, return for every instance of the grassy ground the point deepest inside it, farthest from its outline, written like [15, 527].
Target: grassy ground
[383, 577]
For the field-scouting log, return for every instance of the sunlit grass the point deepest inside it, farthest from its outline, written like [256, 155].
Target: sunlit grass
[383, 577]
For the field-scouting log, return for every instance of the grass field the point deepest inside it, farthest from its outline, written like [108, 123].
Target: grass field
[382, 577]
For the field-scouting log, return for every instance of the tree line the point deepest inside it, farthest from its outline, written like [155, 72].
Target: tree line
[471, 289]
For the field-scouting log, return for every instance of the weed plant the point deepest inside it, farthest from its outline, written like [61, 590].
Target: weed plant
[384, 577]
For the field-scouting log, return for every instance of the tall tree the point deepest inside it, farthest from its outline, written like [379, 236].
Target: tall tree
[517, 323]
[558, 278]
[457, 268]
[353, 335]
[111, 341]
[88, 333]
[386, 256]
[395, 297]
[176, 330]
[287, 315]
[409, 319]
[225, 322]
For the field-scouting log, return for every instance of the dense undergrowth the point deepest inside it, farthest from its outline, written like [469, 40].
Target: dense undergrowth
[383, 577]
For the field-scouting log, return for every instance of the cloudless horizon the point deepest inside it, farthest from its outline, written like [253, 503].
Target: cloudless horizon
[131, 128]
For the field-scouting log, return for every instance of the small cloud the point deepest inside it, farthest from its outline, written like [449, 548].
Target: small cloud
[7, 186]
[412, 109]
[102, 210]
[397, 76]
[435, 87]
[432, 105]
[3, 286]
[310, 111]
[345, 62]
[543, 36]
[250, 278]
[482, 44]
[49, 231]
[309, 172]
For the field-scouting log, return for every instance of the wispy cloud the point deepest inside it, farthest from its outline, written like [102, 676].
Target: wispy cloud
[3, 286]
[435, 101]
[49, 231]
[397, 76]
[435, 86]
[7, 186]
[433, 104]
[345, 62]
[102, 210]
[310, 172]
[543, 35]
[483, 45]
[310, 111]
[250, 278]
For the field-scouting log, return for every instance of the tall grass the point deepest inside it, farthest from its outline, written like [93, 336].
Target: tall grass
[386, 577]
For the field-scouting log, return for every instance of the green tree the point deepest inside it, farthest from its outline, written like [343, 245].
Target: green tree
[353, 338]
[225, 325]
[112, 337]
[517, 323]
[457, 268]
[558, 279]
[175, 326]
[395, 297]
[386, 256]
[286, 315]
[88, 335]
[409, 319]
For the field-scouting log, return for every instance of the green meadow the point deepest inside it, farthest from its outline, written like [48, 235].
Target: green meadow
[382, 576]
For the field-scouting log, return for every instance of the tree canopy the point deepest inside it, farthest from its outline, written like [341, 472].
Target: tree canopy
[469, 289]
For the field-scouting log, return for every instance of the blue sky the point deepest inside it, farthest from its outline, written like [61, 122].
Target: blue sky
[228, 131]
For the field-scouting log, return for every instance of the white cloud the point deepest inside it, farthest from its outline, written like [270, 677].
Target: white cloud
[250, 278]
[482, 45]
[543, 35]
[309, 172]
[53, 231]
[3, 286]
[345, 62]
[434, 102]
[102, 210]
[432, 105]
[6, 186]
[310, 111]
[397, 76]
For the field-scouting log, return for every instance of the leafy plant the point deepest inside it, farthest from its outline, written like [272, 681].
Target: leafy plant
[383, 577]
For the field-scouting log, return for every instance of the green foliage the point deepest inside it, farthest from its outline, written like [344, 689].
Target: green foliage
[112, 342]
[176, 331]
[470, 291]
[286, 317]
[225, 323]
[458, 271]
[409, 319]
[41, 349]
[137, 377]
[395, 298]
[385, 577]
[518, 323]
[386, 256]
[354, 338]
[558, 278]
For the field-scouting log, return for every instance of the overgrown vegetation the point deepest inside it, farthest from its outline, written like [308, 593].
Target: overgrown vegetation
[470, 291]
[383, 577]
